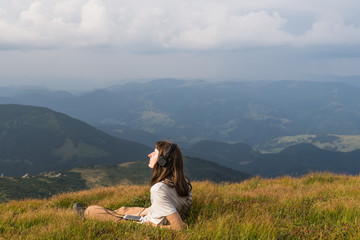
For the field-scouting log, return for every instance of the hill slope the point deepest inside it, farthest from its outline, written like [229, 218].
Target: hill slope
[35, 139]
[85, 177]
[316, 206]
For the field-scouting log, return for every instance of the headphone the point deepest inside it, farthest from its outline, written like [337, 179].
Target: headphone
[164, 159]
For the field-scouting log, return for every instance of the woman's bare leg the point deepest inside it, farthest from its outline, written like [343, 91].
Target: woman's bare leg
[104, 214]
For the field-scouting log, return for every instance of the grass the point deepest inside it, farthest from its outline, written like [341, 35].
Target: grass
[315, 206]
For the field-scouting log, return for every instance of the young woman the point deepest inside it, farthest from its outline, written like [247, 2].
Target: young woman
[171, 193]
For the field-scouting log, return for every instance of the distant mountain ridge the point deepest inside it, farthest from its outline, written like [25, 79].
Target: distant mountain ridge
[300, 159]
[36, 139]
[294, 160]
[191, 111]
[136, 135]
[229, 155]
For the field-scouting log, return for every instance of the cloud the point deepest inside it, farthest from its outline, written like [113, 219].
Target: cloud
[174, 25]
[330, 33]
[252, 29]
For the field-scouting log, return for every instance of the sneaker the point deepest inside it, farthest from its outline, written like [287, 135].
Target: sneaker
[79, 209]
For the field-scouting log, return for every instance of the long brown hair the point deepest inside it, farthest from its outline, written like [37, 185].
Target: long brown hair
[172, 174]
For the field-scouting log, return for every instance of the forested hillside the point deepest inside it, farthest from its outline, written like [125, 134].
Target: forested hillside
[35, 140]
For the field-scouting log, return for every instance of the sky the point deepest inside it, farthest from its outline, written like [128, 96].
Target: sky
[84, 44]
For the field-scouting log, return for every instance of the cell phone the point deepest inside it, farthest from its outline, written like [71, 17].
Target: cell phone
[133, 217]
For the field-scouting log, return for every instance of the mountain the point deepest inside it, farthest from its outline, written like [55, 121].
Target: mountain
[352, 80]
[191, 111]
[304, 158]
[230, 155]
[332, 142]
[294, 160]
[36, 139]
[136, 135]
[199, 170]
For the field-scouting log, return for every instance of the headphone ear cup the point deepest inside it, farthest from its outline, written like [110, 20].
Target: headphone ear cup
[162, 161]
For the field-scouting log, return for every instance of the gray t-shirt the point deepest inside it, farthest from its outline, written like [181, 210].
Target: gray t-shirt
[164, 202]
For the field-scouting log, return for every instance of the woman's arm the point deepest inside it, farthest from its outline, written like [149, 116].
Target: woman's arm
[175, 221]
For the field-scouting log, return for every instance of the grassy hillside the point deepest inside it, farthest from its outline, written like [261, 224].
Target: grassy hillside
[315, 206]
[87, 177]
[35, 140]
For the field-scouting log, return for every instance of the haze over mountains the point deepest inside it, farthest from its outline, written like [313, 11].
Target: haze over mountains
[190, 111]
[36, 139]
[204, 118]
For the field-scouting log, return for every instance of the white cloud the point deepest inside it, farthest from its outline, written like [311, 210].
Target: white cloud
[330, 33]
[252, 29]
[178, 24]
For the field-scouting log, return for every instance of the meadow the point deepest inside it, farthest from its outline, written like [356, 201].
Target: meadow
[314, 206]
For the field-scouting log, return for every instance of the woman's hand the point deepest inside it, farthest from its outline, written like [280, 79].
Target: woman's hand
[145, 212]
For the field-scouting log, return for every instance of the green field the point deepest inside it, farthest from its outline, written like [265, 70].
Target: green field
[315, 206]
